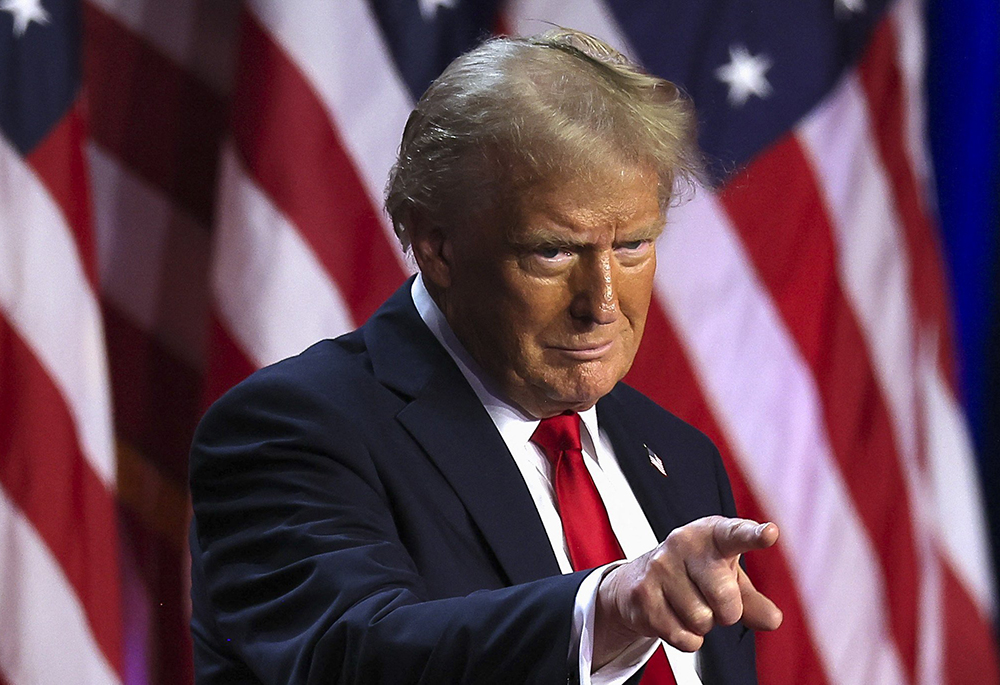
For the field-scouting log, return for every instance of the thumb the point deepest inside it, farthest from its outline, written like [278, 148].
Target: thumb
[759, 612]
[735, 536]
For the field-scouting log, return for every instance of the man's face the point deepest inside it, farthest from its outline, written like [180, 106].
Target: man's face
[554, 309]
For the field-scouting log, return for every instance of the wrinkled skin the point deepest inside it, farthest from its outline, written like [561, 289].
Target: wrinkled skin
[554, 308]
[684, 587]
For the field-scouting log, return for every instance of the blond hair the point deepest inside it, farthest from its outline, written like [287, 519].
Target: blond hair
[516, 113]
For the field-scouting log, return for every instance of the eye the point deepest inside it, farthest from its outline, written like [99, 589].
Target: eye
[633, 247]
[634, 252]
[552, 254]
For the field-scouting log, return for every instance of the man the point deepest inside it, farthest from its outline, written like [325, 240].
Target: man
[426, 499]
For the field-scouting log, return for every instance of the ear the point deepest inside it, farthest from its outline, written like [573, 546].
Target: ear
[432, 249]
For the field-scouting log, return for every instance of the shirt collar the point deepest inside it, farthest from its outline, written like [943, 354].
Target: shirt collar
[514, 425]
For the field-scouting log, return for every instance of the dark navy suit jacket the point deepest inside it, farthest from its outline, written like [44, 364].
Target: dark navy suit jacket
[358, 519]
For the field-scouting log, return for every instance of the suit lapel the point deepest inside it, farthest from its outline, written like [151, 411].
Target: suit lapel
[658, 495]
[446, 418]
[458, 435]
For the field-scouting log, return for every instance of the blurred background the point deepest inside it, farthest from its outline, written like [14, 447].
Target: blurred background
[191, 190]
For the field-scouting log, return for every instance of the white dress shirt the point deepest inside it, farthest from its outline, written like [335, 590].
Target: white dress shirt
[627, 519]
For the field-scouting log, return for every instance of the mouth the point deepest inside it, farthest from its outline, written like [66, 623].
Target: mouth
[585, 352]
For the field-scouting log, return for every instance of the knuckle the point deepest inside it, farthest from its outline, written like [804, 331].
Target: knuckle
[700, 620]
[658, 556]
[676, 636]
[730, 612]
[727, 620]
[683, 639]
[680, 538]
[693, 643]
[723, 592]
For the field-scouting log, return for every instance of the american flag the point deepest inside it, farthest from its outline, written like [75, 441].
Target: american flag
[59, 555]
[191, 190]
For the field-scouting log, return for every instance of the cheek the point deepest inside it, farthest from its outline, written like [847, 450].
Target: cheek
[528, 337]
[635, 295]
[536, 311]
[512, 329]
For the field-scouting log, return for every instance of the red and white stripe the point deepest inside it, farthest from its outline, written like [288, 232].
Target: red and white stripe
[272, 293]
[300, 227]
[60, 613]
[157, 78]
[760, 388]
[47, 635]
[950, 468]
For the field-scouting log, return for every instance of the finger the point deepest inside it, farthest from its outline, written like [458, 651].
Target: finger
[689, 604]
[667, 625]
[643, 605]
[759, 612]
[735, 536]
[717, 585]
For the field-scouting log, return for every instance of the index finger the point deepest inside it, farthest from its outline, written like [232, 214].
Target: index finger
[735, 536]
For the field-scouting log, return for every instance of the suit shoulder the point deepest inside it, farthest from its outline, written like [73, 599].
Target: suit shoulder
[649, 413]
[315, 364]
[320, 387]
[321, 369]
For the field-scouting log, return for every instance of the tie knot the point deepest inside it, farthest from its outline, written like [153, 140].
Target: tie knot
[558, 434]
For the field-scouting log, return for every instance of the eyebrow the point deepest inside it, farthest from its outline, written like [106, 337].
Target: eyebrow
[649, 232]
[542, 237]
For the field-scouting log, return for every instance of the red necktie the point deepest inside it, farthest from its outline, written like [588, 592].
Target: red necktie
[589, 536]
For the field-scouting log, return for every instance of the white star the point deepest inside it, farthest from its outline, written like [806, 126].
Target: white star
[852, 6]
[745, 75]
[25, 12]
[429, 8]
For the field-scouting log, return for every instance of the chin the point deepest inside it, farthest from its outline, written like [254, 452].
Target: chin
[557, 390]
[580, 398]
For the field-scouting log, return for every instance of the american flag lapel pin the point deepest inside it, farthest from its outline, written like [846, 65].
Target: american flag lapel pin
[655, 460]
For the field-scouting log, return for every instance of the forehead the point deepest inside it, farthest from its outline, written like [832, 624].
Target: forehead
[626, 198]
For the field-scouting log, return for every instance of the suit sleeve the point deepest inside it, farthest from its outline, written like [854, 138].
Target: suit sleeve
[296, 555]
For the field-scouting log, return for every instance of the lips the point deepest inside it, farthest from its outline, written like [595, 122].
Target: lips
[585, 352]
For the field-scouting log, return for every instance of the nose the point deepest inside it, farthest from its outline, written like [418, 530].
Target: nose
[595, 289]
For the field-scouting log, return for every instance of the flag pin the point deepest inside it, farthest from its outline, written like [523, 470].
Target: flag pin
[655, 460]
